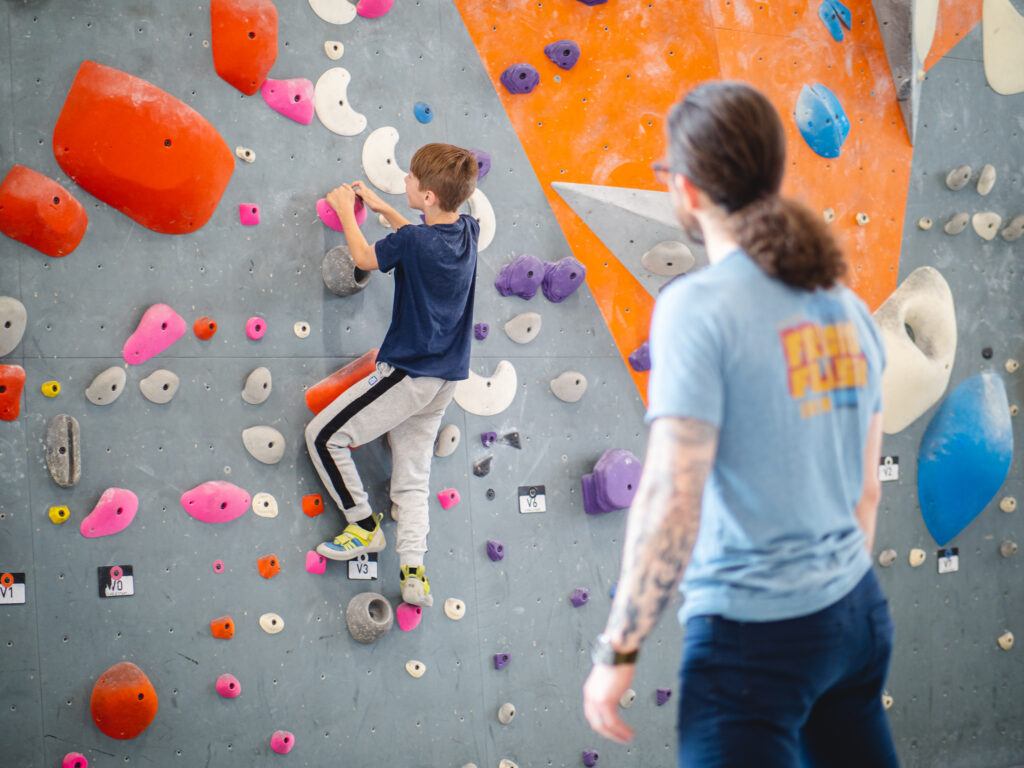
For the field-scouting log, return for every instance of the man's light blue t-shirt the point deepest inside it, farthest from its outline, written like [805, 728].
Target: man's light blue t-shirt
[791, 379]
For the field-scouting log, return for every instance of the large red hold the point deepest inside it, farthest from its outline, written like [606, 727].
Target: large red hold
[141, 150]
[244, 41]
[12, 381]
[39, 212]
[123, 702]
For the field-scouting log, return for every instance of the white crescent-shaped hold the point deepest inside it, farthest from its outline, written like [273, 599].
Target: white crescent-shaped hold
[491, 396]
[926, 17]
[1002, 40]
[334, 11]
[330, 99]
[379, 161]
[481, 210]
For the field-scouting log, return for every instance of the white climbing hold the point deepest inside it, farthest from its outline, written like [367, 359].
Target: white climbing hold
[924, 222]
[264, 505]
[668, 258]
[957, 178]
[1014, 229]
[447, 441]
[506, 763]
[917, 557]
[379, 161]
[1006, 641]
[415, 668]
[1008, 548]
[330, 99]
[107, 386]
[490, 396]
[986, 224]
[862, 219]
[957, 223]
[265, 444]
[1002, 40]
[383, 221]
[524, 327]
[887, 557]
[1008, 504]
[334, 11]
[334, 49]
[13, 319]
[829, 215]
[886, 701]
[271, 623]
[160, 386]
[246, 154]
[925, 18]
[987, 179]
[569, 386]
[257, 386]
[917, 369]
[627, 698]
[480, 209]
[1012, 365]
[506, 712]
[454, 608]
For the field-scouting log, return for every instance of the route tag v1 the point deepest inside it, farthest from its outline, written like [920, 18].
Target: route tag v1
[12, 588]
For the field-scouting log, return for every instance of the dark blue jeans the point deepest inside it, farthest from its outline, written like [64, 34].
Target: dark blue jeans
[782, 694]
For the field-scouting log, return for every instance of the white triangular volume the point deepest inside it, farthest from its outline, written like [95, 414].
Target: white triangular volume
[650, 204]
[488, 397]
[481, 210]
[917, 369]
[1002, 35]
[334, 11]
[379, 161]
[330, 98]
[926, 15]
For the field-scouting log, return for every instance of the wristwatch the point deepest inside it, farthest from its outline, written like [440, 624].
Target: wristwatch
[603, 653]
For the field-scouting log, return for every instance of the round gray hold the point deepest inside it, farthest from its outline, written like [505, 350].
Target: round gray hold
[570, 386]
[64, 450]
[12, 324]
[447, 441]
[341, 275]
[107, 386]
[264, 443]
[668, 258]
[160, 386]
[523, 328]
[257, 386]
[369, 617]
[957, 223]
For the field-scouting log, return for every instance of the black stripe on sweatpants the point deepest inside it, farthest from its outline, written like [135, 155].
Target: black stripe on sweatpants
[320, 443]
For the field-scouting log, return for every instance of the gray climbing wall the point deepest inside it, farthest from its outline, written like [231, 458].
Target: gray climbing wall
[345, 703]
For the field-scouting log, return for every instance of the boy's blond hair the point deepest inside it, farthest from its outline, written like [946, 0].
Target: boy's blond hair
[448, 171]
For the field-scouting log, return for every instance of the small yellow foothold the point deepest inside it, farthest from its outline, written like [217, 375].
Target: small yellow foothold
[1006, 641]
[862, 219]
[917, 557]
[59, 514]
[1008, 504]
[924, 222]
[1012, 365]
[1014, 410]
[829, 214]
[50, 388]
[886, 701]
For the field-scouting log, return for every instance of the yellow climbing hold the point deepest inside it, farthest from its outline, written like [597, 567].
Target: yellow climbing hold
[59, 514]
[51, 388]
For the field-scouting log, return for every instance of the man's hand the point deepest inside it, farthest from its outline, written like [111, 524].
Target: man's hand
[370, 198]
[342, 198]
[601, 694]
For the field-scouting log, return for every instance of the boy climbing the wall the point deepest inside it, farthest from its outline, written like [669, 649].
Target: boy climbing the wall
[425, 351]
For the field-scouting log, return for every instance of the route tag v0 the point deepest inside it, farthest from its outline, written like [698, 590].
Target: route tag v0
[116, 580]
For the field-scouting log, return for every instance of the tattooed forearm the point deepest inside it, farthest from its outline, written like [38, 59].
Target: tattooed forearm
[662, 526]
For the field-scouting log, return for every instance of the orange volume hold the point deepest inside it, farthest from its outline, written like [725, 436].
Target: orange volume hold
[12, 381]
[312, 504]
[39, 212]
[223, 628]
[123, 702]
[204, 328]
[243, 38]
[320, 395]
[269, 566]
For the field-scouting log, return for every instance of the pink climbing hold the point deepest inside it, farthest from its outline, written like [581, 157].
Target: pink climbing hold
[218, 566]
[228, 686]
[249, 214]
[408, 616]
[215, 501]
[330, 218]
[449, 497]
[293, 98]
[74, 760]
[282, 742]
[112, 514]
[315, 563]
[159, 327]
[255, 327]
[373, 9]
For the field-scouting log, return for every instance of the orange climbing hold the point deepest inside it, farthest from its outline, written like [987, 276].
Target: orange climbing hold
[123, 702]
[244, 41]
[39, 212]
[223, 628]
[320, 395]
[204, 328]
[12, 381]
[269, 566]
[312, 504]
[141, 150]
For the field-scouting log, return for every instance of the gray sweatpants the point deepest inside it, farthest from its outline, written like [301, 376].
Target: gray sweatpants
[409, 410]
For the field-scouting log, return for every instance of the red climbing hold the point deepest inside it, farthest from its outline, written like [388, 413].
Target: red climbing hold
[123, 702]
[312, 504]
[269, 566]
[223, 628]
[321, 394]
[141, 150]
[39, 212]
[204, 328]
[244, 41]
[12, 381]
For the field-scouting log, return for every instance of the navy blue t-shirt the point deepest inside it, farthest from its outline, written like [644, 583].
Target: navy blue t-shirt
[432, 317]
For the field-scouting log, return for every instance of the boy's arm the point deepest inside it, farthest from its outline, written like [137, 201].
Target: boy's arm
[373, 201]
[343, 200]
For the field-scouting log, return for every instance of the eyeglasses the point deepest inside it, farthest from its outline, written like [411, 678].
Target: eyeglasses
[663, 171]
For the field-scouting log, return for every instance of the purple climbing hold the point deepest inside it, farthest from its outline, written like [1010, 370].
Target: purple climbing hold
[495, 549]
[564, 53]
[593, 2]
[664, 694]
[501, 660]
[562, 278]
[483, 163]
[521, 277]
[579, 596]
[640, 358]
[480, 330]
[520, 78]
[613, 483]
[488, 438]
[590, 756]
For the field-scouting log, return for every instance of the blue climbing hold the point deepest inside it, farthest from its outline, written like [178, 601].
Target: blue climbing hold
[423, 112]
[834, 15]
[821, 120]
[965, 455]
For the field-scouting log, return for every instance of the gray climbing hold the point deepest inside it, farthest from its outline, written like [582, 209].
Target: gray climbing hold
[506, 712]
[887, 557]
[957, 223]
[160, 386]
[987, 179]
[523, 328]
[570, 386]
[341, 275]
[986, 224]
[627, 699]
[1008, 548]
[257, 386]
[64, 450]
[264, 443]
[924, 222]
[957, 178]
[107, 386]
[483, 467]
[447, 441]
[369, 617]
[668, 258]
[13, 318]
[1014, 229]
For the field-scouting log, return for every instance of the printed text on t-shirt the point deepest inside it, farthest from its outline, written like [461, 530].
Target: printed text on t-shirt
[825, 366]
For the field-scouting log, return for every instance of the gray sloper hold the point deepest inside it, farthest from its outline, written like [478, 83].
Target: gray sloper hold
[523, 328]
[341, 275]
[447, 441]
[506, 712]
[264, 443]
[987, 179]
[957, 223]
[107, 386]
[257, 386]
[64, 450]
[1014, 229]
[13, 318]
[668, 258]
[986, 224]
[160, 386]
[957, 178]
[369, 617]
[570, 386]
